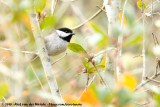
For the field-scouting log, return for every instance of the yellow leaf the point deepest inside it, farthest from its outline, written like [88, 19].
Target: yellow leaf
[4, 89]
[127, 81]
[25, 19]
[70, 99]
[90, 98]
[124, 19]
[26, 92]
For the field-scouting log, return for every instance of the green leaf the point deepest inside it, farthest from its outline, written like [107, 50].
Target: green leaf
[76, 48]
[48, 22]
[39, 5]
[139, 4]
[103, 94]
[133, 40]
[124, 97]
[157, 99]
[93, 70]
[103, 34]
[98, 59]
[80, 51]
[30, 73]
[97, 29]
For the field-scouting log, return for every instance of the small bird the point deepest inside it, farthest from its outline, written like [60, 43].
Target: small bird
[57, 41]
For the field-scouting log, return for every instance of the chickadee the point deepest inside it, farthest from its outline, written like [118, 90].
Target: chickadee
[58, 40]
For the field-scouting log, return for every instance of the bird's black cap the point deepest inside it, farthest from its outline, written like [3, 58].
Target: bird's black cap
[66, 30]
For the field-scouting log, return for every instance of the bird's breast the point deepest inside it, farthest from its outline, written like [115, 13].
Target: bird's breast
[55, 46]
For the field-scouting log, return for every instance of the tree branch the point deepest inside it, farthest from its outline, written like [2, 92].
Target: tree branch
[53, 6]
[25, 52]
[92, 17]
[100, 76]
[86, 87]
[148, 80]
[45, 59]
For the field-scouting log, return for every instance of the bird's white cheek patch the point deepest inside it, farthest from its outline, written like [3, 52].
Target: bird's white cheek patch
[62, 34]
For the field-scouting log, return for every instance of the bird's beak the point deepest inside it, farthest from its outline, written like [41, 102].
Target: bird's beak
[72, 33]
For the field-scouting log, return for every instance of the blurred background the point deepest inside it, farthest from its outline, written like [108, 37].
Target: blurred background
[23, 79]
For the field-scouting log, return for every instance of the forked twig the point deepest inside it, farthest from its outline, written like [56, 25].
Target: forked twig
[87, 87]
[100, 76]
[152, 80]
[101, 8]
[148, 79]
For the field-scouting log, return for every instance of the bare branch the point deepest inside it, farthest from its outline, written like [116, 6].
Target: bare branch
[59, 59]
[120, 41]
[101, 8]
[100, 76]
[53, 6]
[155, 39]
[4, 2]
[150, 79]
[45, 59]
[87, 87]
[92, 17]
[143, 48]
[25, 52]
[38, 80]
[146, 81]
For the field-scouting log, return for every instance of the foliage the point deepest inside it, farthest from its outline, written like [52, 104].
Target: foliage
[23, 80]
[141, 5]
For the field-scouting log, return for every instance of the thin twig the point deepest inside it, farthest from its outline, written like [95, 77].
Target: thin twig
[120, 40]
[92, 17]
[143, 49]
[87, 79]
[26, 52]
[100, 76]
[38, 80]
[101, 8]
[152, 12]
[142, 104]
[152, 80]
[86, 87]
[59, 59]
[155, 39]
[68, 0]
[53, 6]
[4, 99]
[157, 66]
[146, 81]
[156, 71]
[4, 2]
